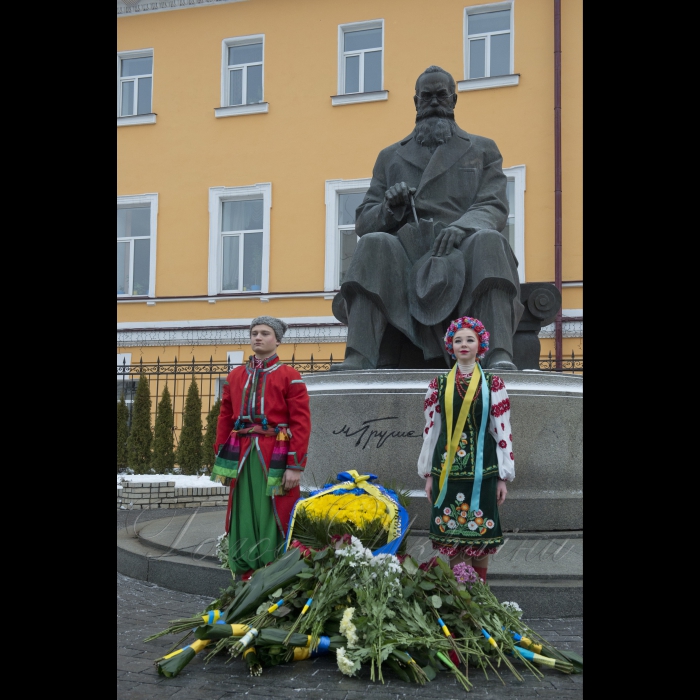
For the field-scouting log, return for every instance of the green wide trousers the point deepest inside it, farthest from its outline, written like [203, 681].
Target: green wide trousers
[254, 538]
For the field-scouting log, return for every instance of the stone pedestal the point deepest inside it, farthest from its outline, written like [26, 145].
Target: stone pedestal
[372, 421]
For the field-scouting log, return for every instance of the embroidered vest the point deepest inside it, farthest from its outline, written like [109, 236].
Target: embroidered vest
[463, 467]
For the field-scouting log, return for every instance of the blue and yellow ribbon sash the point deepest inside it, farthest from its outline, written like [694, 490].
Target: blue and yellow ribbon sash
[196, 646]
[454, 432]
[479, 468]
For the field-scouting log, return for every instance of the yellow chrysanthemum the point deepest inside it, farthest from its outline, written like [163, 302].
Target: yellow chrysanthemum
[357, 509]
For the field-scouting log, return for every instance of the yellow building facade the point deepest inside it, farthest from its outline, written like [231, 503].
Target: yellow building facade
[247, 132]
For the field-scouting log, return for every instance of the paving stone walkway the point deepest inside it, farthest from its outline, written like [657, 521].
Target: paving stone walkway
[143, 609]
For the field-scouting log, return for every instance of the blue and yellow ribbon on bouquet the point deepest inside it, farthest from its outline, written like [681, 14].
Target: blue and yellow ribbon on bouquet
[454, 432]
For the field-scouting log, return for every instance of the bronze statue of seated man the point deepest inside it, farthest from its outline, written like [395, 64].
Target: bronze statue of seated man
[431, 245]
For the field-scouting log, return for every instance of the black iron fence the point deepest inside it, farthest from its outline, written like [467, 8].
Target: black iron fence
[210, 377]
[569, 363]
[178, 376]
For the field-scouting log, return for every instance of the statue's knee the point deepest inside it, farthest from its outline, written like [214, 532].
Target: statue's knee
[374, 241]
[488, 238]
[488, 233]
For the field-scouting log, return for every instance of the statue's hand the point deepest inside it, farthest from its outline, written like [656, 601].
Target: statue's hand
[398, 194]
[447, 239]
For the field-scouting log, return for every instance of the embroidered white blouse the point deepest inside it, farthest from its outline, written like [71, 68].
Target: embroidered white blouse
[499, 427]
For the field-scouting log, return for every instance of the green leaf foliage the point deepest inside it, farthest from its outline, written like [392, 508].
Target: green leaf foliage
[280, 573]
[208, 454]
[141, 435]
[429, 672]
[189, 451]
[122, 433]
[163, 459]
[410, 566]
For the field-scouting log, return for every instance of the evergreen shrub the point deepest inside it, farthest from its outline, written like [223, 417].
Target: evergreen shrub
[141, 435]
[208, 454]
[189, 451]
[163, 459]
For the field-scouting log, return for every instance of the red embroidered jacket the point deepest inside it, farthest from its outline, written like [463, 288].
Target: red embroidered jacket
[273, 395]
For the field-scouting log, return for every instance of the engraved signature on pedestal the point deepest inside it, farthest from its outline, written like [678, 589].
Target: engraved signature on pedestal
[368, 431]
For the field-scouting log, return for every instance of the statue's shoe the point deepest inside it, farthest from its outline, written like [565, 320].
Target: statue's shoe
[503, 364]
[353, 361]
[500, 359]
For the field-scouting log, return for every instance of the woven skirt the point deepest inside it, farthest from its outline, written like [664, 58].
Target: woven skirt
[457, 528]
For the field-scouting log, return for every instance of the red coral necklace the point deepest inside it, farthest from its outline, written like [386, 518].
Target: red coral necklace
[463, 384]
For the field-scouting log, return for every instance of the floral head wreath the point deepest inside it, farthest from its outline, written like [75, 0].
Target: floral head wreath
[468, 322]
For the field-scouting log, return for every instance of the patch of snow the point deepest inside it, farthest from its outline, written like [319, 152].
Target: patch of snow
[182, 481]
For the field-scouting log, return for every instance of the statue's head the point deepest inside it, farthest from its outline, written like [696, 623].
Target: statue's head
[435, 101]
[436, 95]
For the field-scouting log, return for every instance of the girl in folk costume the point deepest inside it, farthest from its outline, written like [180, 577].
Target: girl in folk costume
[467, 454]
[261, 442]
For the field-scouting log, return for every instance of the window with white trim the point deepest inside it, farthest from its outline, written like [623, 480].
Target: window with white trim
[515, 228]
[239, 239]
[234, 358]
[244, 71]
[123, 364]
[342, 199]
[361, 49]
[488, 47]
[134, 83]
[136, 245]
[125, 385]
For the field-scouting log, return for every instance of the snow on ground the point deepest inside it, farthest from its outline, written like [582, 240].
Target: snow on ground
[181, 481]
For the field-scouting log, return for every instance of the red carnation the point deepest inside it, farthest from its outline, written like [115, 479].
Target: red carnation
[431, 564]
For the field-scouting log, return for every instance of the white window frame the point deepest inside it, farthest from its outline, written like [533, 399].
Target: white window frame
[516, 174]
[333, 189]
[234, 358]
[343, 98]
[130, 201]
[488, 81]
[218, 195]
[227, 110]
[120, 364]
[149, 118]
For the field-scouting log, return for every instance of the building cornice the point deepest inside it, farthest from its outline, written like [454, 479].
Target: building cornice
[237, 332]
[128, 8]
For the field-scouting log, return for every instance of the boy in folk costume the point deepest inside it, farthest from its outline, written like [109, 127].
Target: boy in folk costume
[261, 443]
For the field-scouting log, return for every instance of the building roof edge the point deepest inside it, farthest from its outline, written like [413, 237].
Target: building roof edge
[131, 8]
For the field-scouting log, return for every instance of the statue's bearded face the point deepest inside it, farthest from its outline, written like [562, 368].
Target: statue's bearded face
[435, 117]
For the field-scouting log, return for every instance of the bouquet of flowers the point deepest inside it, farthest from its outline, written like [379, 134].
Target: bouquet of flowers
[368, 608]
